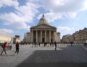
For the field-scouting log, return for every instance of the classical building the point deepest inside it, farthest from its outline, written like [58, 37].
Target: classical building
[77, 37]
[42, 32]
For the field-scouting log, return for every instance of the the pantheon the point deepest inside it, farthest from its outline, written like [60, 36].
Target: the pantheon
[41, 33]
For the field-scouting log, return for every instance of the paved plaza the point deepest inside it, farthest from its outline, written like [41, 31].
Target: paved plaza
[35, 56]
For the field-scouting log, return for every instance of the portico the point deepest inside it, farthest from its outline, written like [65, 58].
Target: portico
[42, 36]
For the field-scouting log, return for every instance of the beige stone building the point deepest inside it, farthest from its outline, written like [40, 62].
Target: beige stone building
[77, 37]
[42, 32]
[66, 38]
[80, 36]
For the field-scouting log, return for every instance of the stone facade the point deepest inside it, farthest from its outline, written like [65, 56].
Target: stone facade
[27, 37]
[77, 37]
[41, 33]
[80, 36]
[67, 38]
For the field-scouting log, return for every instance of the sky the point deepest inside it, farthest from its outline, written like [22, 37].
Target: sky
[17, 16]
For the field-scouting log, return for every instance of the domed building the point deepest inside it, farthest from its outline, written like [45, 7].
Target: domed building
[42, 33]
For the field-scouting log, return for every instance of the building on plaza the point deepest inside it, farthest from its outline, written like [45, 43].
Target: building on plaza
[77, 37]
[41, 33]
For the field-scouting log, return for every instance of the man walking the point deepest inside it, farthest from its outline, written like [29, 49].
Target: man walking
[17, 48]
[4, 48]
[55, 44]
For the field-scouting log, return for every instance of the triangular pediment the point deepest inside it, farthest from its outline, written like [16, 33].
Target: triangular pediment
[43, 26]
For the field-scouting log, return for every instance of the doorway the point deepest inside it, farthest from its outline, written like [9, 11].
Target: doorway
[43, 40]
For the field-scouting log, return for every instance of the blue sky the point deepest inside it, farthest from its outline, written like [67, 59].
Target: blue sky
[17, 16]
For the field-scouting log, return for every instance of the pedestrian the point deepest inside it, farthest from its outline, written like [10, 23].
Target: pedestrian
[71, 43]
[39, 44]
[4, 48]
[17, 48]
[50, 43]
[55, 44]
[45, 44]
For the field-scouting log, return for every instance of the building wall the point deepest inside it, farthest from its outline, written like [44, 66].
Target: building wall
[77, 37]
[27, 38]
[57, 37]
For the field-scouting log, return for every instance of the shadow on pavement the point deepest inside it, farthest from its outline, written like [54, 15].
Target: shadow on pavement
[52, 58]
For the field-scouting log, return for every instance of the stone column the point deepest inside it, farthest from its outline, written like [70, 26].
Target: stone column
[53, 37]
[32, 36]
[45, 36]
[40, 36]
[36, 36]
[49, 36]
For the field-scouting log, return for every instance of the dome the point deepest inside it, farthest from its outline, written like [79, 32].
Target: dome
[42, 21]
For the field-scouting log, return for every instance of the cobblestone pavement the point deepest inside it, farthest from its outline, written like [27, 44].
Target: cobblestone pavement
[70, 56]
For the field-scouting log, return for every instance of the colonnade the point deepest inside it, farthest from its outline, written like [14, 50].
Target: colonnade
[42, 36]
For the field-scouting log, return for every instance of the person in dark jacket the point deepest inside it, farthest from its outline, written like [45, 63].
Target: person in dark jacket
[4, 48]
[17, 48]
[55, 44]
[71, 43]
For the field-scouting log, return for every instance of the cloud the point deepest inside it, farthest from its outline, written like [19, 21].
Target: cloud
[21, 17]
[56, 9]
[59, 9]
[11, 18]
[84, 5]
[21, 26]
[51, 16]
[6, 32]
[65, 30]
[71, 15]
[13, 3]
[28, 11]
[64, 5]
